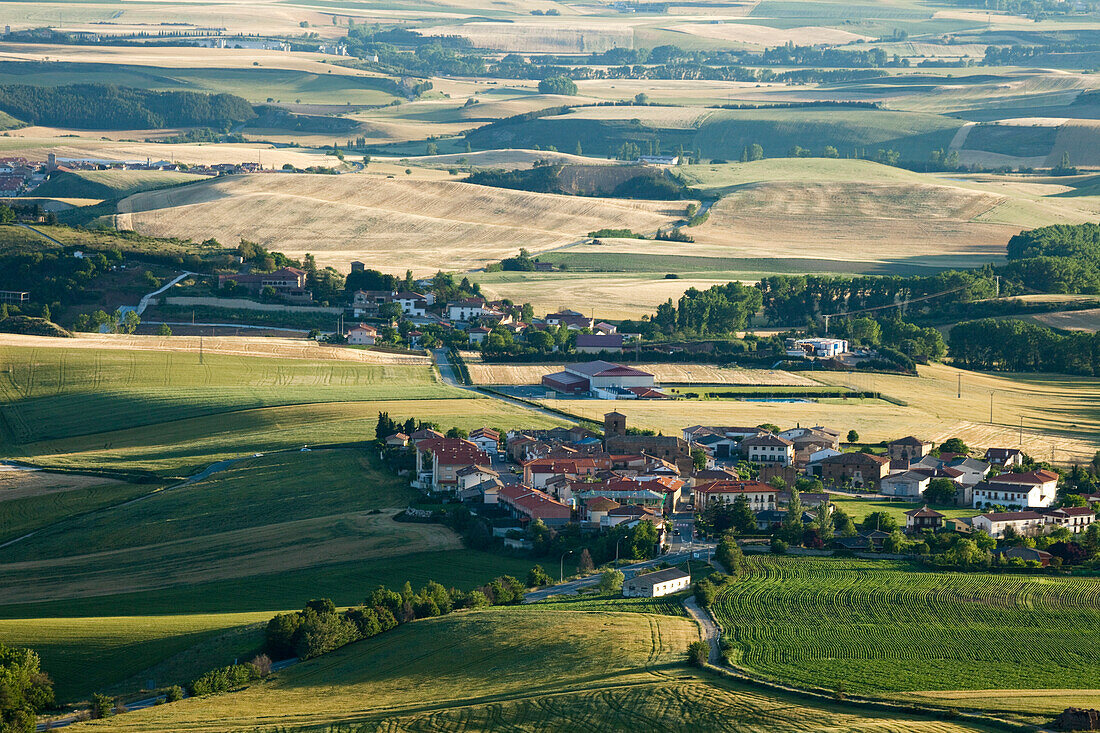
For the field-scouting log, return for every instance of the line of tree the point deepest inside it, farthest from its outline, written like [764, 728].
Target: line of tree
[105, 106]
[319, 628]
[1023, 346]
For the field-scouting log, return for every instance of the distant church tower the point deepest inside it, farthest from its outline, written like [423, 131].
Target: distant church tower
[614, 423]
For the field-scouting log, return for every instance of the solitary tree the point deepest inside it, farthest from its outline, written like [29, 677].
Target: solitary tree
[585, 564]
[611, 581]
[853, 436]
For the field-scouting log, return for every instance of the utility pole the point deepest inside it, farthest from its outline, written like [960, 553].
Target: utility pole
[1021, 431]
[200, 347]
[990, 408]
[826, 325]
[960, 385]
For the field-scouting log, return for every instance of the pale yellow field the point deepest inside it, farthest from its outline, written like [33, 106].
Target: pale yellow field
[390, 225]
[762, 35]
[1079, 138]
[672, 117]
[674, 373]
[571, 37]
[18, 483]
[237, 17]
[851, 221]
[1057, 410]
[36, 143]
[1084, 320]
[607, 296]
[1043, 702]
[286, 348]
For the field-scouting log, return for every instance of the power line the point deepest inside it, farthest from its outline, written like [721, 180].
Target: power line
[896, 305]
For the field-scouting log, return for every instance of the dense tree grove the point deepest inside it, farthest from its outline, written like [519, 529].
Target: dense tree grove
[104, 106]
[24, 689]
[720, 309]
[562, 85]
[1059, 240]
[1022, 346]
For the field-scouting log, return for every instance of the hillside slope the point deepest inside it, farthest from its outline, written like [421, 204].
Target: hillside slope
[390, 224]
[519, 669]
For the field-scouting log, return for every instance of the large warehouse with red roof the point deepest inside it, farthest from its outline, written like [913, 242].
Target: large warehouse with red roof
[597, 375]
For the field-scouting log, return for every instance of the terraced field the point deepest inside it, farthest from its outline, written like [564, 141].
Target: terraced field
[885, 627]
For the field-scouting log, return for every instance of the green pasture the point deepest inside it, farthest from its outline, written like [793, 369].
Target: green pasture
[59, 393]
[110, 184]
[28, 513]
[890, 627]
[255, 492]
[857, 509]
[182, 447]
[85, 655]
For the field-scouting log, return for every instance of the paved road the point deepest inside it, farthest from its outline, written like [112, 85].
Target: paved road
[710, 629]
[572, 587]
[450, 376]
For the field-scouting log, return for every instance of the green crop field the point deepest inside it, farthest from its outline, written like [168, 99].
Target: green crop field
[84, 655]
[163, 411]
[54, 393]
[886, 627]
[110, 184]
[22, 514]
[518, 669]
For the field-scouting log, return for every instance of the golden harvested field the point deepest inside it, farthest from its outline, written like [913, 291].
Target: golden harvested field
[762, 35]
[177, 57]
[675, 373]
[546, 37]
[1058, 411]
[236, 345]
[390, 225]
[851, 221]
[608, 296]
[267, 18]
[36, 143]
[20, 483]
[671, 117]
[1084, 320]
[1079, 138]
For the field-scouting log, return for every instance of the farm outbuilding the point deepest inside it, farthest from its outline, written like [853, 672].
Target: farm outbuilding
[657, 584]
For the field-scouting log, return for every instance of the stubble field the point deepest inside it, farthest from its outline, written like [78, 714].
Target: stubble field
[390, 225]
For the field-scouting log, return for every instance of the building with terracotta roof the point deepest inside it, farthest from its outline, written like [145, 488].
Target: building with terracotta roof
[438, 461]
[768, 448]
[487, 439]
[1027, 524]
[759, 495]
[862, 470]
[536, 472]
[597, 375]
[1074, 518]
[528, 504]
[1031, 490]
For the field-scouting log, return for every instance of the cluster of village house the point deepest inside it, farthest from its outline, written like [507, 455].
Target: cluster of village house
[573, 475]
[20, 177]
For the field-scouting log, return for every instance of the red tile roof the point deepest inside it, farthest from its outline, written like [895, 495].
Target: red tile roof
[723, 486]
